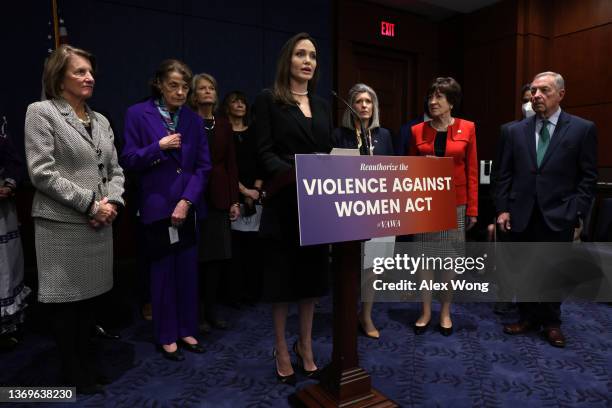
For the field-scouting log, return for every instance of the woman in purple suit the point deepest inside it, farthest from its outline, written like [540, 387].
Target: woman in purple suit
[166, 144]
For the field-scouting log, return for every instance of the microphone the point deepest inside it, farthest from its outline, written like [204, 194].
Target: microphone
[364, 150]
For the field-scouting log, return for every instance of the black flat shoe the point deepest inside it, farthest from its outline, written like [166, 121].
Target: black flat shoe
[418, 330]
[314, 374]
[445, 331]
[194, 348]
[290, 379]
[100, 332]
[172, 355]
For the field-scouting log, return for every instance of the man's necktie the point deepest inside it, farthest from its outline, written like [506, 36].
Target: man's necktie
[543, 142]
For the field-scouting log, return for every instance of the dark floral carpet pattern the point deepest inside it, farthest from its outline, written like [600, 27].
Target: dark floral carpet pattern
[478, 366]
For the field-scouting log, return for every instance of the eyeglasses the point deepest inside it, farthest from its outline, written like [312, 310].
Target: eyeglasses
[174, 86]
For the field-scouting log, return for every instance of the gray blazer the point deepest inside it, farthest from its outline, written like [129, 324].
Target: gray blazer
[68, 167]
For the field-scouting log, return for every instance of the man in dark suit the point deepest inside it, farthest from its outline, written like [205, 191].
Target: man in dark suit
[545, 184]
[527, 112]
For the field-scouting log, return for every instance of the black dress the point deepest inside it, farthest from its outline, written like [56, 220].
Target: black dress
[246, 158]
[290, 272]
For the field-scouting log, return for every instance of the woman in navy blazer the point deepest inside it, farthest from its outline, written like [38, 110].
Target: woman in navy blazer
[289, 120]
[166, 144]
[364, 101]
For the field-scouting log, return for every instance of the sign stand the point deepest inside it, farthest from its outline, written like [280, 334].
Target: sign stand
[343, 383]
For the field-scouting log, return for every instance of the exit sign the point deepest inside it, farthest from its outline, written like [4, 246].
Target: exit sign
[387, 29]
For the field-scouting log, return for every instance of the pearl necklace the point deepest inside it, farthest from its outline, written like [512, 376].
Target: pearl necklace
[87, 121]
[299, 93]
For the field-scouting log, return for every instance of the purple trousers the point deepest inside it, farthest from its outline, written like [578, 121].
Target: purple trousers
[174, 295]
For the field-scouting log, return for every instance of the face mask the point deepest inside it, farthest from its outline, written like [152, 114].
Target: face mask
[527, 110]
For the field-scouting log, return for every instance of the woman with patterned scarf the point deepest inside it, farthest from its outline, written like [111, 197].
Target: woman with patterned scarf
[165, 143]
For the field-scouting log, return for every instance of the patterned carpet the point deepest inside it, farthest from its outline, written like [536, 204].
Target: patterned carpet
[478, 366]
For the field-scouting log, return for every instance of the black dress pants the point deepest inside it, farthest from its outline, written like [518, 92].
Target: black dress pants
[547, 314]
[72, 324]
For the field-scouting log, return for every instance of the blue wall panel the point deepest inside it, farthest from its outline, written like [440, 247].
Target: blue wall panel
[236, 41]
[239, 12]
[234, 58]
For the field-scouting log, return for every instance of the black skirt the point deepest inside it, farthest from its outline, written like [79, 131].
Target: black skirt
[215, 236]
[290, 272]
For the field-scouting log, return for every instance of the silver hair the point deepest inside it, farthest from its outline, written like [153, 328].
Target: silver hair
[347, 119]
[559, 81]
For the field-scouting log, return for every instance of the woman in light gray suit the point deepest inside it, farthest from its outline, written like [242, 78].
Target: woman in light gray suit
[73, 165]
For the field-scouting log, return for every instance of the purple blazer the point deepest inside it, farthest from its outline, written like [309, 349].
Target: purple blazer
[165, 176]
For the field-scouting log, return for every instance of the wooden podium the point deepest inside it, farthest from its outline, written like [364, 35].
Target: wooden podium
[343, 383]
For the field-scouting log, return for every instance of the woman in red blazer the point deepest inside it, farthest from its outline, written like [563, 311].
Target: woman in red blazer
[446, 136]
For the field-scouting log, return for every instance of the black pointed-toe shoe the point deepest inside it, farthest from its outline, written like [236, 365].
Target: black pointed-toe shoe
[314, 374]
[418, 330]
[290, 379]
[445, 331]
[105, 334]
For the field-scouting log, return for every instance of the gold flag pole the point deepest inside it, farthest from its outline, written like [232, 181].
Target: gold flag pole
[56, 38]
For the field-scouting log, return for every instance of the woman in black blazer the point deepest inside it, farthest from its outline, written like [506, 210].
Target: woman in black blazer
[290, 120]
[364, 101]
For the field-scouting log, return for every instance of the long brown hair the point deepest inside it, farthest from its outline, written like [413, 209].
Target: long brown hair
[282, 90]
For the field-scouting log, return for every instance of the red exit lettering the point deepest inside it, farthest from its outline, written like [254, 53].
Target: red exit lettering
[387, 29]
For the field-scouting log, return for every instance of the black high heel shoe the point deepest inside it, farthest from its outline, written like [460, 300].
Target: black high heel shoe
[418, 330]
[314, 374]
[445, 331]
[290, 379]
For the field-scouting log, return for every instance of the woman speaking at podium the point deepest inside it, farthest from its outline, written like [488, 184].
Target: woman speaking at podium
[289, 119]
[447, 136]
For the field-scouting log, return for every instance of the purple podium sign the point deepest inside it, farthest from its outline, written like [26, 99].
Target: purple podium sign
[347, 198]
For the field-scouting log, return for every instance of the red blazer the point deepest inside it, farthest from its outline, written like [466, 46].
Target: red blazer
[223, 182]
[461, 146]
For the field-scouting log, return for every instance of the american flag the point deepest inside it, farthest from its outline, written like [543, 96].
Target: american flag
[58, 34]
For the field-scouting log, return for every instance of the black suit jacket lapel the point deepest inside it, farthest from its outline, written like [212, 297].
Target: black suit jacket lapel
[320, 121]
[530, 127]
[563, 125]
[302, 122]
